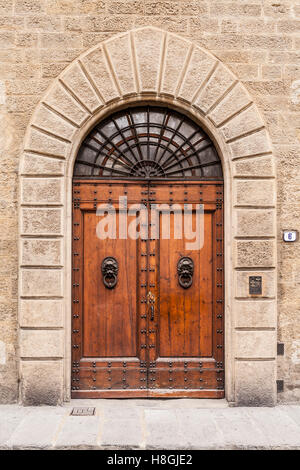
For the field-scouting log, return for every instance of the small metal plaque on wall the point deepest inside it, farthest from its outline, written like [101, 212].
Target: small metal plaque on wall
[255, 285]
[83, 411]
[290, 236]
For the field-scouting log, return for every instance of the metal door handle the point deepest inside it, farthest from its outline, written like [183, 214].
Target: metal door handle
[152, 313]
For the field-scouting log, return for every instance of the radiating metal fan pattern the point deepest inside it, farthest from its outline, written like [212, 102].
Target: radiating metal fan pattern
[148, 143]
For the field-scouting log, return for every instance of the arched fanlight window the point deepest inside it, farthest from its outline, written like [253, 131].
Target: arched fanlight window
[148, 142]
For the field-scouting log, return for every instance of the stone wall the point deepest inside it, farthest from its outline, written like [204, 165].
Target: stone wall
[257, 40]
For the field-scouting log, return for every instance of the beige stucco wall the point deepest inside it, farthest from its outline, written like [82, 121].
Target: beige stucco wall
[258, 41]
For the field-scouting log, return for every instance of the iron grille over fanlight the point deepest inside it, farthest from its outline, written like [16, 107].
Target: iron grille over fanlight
[146, 143]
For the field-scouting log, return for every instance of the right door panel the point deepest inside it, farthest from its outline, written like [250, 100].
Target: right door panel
[187, 355]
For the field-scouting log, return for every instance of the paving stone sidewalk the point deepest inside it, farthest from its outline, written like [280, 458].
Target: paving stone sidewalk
[150, 424]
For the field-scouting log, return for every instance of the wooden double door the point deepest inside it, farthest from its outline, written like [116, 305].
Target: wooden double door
[147, 316]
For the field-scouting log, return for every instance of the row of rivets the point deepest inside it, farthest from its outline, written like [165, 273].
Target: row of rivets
[76, 238]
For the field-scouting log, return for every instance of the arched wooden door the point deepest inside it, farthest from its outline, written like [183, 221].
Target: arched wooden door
[148, 298]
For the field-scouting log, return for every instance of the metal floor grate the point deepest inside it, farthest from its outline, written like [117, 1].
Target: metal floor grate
[83, 411]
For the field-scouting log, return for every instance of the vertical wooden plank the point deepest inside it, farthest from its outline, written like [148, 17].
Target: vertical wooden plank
[206, 288]
[110, 321]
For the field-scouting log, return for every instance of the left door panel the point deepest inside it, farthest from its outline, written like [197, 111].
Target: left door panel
[107, 357]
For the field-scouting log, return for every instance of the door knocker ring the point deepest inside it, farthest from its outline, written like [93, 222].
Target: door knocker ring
[110, 269]
[185, 271]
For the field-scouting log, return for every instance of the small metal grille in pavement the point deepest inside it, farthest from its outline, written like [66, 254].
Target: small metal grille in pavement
[83, 411]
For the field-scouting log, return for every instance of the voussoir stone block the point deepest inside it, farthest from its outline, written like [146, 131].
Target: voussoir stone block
[119, 50]
[41, 191]
[176, 53]
[233, 102]
[254, 192]
[62, 101]
[41, 252]
[255, 383]
[42, 382]
[41, 143]
[256, 166]
[46, 119]
[255, 313]
[41, 283]
[198, 69]
[41, 343]
[244, 122]
[255, 344]
[253, 144]
[77, 82]
[96, 66]
[44, 221]
[41, 313]
[254, 222]
[148, 47]
[41, 165]
[218, 84]
[252, 253]
[242, 283]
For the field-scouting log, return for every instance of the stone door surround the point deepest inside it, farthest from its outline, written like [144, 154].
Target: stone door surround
[146, 65]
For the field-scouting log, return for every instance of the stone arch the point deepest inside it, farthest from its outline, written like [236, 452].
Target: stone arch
[146, 65]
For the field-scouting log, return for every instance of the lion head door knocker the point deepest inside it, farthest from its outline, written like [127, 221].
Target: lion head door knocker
[110, 269]
[185, 271]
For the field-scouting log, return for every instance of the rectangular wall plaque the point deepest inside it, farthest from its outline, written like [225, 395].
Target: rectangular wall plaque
[280, 385]
[255, 285]
[280, 349]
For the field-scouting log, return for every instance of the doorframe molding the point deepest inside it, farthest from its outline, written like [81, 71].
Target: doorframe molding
[146, 66]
